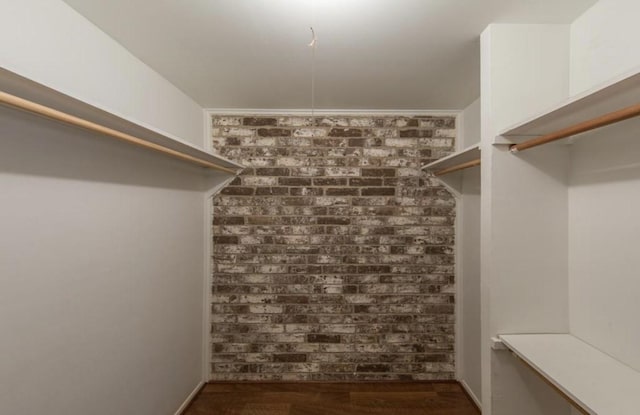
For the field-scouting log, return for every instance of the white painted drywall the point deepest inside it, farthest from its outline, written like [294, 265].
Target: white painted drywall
[469, 256]
[530, 70]
[49, 42]
[604, 195]
[468, 259]
[604, 236]
[101, 274]
[524, 248]
[604, 43]
[470, 125]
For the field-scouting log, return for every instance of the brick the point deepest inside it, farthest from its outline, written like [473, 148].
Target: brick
[306, 191]
[265, 309]
[227, 121]
[342, 191]
[368, 172]
[294, 181]
[410, 133]
[259, 121]
[331, 143]
[378, 152]
[324, 181]
[309, 132]
[331, 201]
[298, 358]
[228, 220]
[362, 122]
[441, 132]
[307, 171]
[406, 122]
[225, 239]
[259, 181]
[292, 299]
[270, 191]
[259, 161]
[323, 338]
[373, 368]
[379, 191]
[365, 182]
[233, 141]
[238, 191]
[401, 142]
[333, 122]
[272, 172]
[238, 132]
[342, 171]
[274, 132]
[292, 161]
[345, 132]
[295, 121]
[333, 221]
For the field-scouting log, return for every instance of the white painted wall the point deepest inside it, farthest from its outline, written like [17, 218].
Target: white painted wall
[50, 43]
[469, 277]
[529, 70]
[604, 195]
[470, 125]
[102, 268]
[604, 236]
[524, 201]
[604, 43]
[468, 259]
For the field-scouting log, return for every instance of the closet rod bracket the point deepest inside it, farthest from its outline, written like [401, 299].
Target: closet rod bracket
[497, 344]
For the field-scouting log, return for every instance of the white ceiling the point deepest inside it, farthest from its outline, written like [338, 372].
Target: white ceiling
[371, 54]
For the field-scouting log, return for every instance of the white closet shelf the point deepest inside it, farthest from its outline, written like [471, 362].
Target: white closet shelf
[614, 95]
[29, 96]
[451, 162]
[592, 380]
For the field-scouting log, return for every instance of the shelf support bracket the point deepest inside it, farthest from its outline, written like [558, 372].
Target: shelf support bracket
[497, 344]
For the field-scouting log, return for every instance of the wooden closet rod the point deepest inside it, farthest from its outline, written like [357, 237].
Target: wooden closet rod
[458, 167]
[592, 124]
[32, 107]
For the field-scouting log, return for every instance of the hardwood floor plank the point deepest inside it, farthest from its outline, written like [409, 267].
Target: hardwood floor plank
[420, 398]
[391, 399]
[266, 409]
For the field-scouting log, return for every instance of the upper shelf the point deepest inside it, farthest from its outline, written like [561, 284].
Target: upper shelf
[591, 379]
[26, 95]
[449, 164]
[614, 95]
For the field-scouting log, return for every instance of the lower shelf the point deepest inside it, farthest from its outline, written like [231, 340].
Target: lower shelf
[593, 380]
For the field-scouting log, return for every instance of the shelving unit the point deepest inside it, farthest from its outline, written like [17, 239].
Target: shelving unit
[612, 96]
[455, 162]
[20, 93]
[591, 379]
[449, 169]
[559, 231]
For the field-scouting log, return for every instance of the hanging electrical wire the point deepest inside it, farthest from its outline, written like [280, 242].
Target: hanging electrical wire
[312, 45]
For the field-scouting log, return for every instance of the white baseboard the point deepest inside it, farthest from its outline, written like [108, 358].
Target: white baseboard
[192, 395]
[471, 394]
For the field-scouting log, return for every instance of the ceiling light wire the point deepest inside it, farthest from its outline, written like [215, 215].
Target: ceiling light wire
[312, 45]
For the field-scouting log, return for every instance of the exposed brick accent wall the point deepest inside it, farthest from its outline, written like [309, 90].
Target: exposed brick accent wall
[333, 253]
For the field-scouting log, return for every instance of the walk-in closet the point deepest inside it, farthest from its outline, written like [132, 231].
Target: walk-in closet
[319, 207]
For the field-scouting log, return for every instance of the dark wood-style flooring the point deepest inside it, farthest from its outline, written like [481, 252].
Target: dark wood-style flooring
[434, 398]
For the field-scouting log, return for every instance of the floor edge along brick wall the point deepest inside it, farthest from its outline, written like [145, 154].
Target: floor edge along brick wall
[333, 252]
